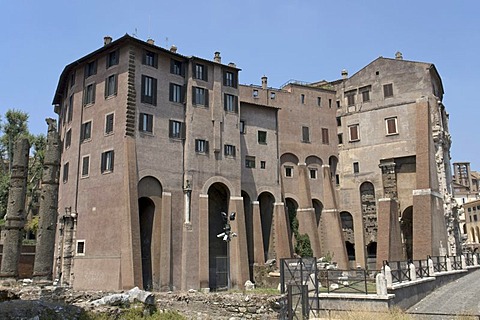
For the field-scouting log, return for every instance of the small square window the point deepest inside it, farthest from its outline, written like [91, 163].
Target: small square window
[176, 129]
[354, 134]
[200, 72]
[263, 164]
[201, 146]
[111, 86]
[89, 94]
[272, 95]
[305, 134]
[356, 168]
[145, 123]
[107, 161]
[242, 127]
[255, 93]
[388, 90]
[91, 69]
[350, 96]
[302, 98]
[319, 101]
[68, 138]
[288, 171]
[112, 59]
[230, 103]
[391, 125]
[80, 247]
[176, 67]
[176, 93]
[229, 79]
[313, 174]
[262, 137]
[366, 95]
[150, 59]
[109, 123]
[229, 150]
[249, 162]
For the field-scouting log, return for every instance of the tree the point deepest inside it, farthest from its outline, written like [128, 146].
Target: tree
[15, 127]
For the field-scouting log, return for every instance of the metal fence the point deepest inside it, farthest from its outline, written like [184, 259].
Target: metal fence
[400, 270]
[421, 268]
[348, 281]
[439, 263]
[456, 262]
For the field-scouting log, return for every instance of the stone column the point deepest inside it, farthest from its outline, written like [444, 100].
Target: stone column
[69, 220]
[15, 217]
[258, 252]
[203, 252]
[47, 225]
[166, 242]
[283, 245]
[389, 241]
[239, 269]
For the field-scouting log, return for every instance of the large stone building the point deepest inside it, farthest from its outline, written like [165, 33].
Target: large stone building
[157, 145]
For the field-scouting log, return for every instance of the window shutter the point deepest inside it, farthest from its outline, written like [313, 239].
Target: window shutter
[224, 77]
[206, 146]
[102, 166]
[170, 129]
[182, 93]
[113, 157]
[182, 130]
[206, 97]
[106, 87]
[144, 58]
[155, 60]
[194, 70]
[171, 92]
[154, 91]
[150, 123]
[93, 92]
[140, 121]
[225, 98]
[234, 79]
[115, 79]
[234, 151]
[94, 67]
[194, 95]
[182, 69]
[391, 126]
[236, 104]
[172, 64]
[205, 73]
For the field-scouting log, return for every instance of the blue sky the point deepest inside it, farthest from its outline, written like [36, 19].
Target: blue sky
[303, 40]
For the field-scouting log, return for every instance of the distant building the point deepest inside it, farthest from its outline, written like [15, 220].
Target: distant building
[472, 225]
[157, 145]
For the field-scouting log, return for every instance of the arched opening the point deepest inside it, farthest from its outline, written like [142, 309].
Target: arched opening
[333, 161]
[477, 234]
[146, 209]
[266, 201]
[149, 213]
[406, 226]
[464, 228]
[371, 255]
[348, 234]
[318, 207]
[218, 197]
[247, 205]
[350, 251]
[369, 214]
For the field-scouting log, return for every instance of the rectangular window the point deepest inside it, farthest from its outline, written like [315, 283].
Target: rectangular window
[354, 134]
[255, 93]
[149, 90]
[112, 59]
[111, 86]
[230, 103]
[391, 125]
[177, 67]
[200, 96]
[242, 127]
[288, 171]
[85, 166]
[107, 161]
[339, 121]
[365, 91]
[229, 150]
[338, 104]
[272, 95]
[250, 162]
[68, 138]
[176, 129]
[302, 98]
[176, 93]
[313, 173]
[229, 79]
[109, 123]
[80, 247]
[340, 138]
[263, 164]
[475, 217]
[65, 172]
[145, 123]
[70, 109]
[91, 69]
[89, 94]
[150, 59]
[86, 131]
[330, 103]
[350, 95]
[200, 72]
[305, 134]
[262, 137]
[388, 90]
[319, 101]
[201, 146]
[356, 168]
[72, 79]
[337, 179]
[325, 138]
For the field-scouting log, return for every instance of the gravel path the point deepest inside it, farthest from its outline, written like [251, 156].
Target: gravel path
[461, 297]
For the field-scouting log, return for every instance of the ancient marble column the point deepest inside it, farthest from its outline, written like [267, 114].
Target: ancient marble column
[15, 217]
[44, 252]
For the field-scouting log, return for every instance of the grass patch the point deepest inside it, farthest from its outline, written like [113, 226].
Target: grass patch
[134, 314]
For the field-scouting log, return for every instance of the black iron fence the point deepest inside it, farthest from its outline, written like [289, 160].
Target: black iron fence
[400, 270]
[456, 262]
[439, 263]
[348, 281]
[421, 268]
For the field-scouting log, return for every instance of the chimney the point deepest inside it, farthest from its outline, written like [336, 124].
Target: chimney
[107, 40]
[217, 57]
[344, 74]
[173, 48]
[398, 55]
[150, 41]
[231, 64]
[264, 82]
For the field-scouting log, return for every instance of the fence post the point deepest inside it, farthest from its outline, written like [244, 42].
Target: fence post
[388, 275]
[448, 262]
[464, 261]
[413, 273]
[431, 269]
[475, 260]
[381, 283]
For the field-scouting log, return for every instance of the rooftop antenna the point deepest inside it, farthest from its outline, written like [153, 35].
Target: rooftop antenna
[135, 33]
[166, 42]
[149, 27]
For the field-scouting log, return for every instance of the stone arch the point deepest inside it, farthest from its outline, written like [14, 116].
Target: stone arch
[369, 215]
[149, 213]
[313, 160]
[221, 180]
[291, 206]
[266, 203]
[348, 233]
[314, 163]
[247, 205]
[290, 158]
[406, 227]
[333, 162]
[218, 201]
[318, 207]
